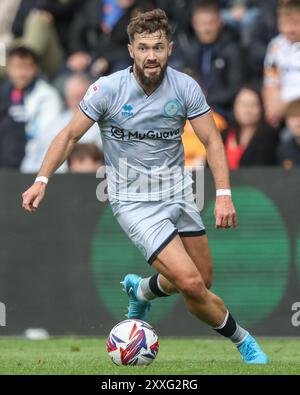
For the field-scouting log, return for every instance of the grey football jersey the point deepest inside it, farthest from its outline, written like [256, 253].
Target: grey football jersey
[141, 134]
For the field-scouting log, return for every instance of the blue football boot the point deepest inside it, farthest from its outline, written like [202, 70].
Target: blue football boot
[251, 352]
[137, 308]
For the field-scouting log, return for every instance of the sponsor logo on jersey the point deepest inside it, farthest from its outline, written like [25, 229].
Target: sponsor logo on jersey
[91, 91]
[127, 110]
[119, 134]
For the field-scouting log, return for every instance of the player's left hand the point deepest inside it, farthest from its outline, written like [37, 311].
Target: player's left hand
[225, 213]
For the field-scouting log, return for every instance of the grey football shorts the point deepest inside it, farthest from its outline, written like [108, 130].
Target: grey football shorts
[152, 225]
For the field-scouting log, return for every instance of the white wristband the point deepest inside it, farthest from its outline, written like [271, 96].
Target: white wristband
[42, 179]
[223, 192]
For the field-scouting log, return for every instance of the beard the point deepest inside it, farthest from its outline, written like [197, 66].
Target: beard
[152, 80]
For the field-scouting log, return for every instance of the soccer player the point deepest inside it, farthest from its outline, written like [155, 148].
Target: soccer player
[141, 112]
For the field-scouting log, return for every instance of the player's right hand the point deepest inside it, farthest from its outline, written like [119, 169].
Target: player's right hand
[33, 196]
[225, 213]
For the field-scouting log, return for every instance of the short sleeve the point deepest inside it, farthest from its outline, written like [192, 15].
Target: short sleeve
[196, 104]
[271, 67]
[95, 102]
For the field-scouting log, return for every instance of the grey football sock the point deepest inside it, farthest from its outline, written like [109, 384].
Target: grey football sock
[239, 335]
[150, 288]
[231, 329]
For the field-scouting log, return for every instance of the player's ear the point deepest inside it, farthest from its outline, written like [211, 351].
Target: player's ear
[170, 48]
[130, 50]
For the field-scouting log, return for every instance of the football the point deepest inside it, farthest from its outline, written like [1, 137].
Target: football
[132, 342]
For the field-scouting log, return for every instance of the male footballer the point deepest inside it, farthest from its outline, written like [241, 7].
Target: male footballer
[141, 112]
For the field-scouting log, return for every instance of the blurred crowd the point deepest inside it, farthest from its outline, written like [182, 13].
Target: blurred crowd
[245, 54]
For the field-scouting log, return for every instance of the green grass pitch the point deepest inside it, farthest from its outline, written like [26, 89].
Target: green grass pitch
[200, 356]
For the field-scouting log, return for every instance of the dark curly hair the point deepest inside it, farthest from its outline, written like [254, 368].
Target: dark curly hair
[150, 22]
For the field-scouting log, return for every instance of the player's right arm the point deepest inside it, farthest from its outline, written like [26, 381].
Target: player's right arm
[59, 150]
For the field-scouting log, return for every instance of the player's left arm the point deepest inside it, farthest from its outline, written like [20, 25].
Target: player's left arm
[207, 132]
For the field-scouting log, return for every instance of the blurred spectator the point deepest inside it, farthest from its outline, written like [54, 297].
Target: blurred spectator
[214, 53]
[28, 105]
[289, 150]
[178, 11]
[282, 63]
[98, 38]
[8, 10]
[74, 89]
[241, 15]
[264, 30]
[43, 25]
[85, 158]
[250, 141]
[194, 150]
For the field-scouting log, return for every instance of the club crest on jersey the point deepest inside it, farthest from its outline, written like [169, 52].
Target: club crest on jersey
[172, 108]
[127, 110]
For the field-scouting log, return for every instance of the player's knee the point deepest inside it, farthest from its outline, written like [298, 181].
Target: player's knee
[193, 287]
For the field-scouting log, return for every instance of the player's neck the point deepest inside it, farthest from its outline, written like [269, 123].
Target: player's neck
[149, 90]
